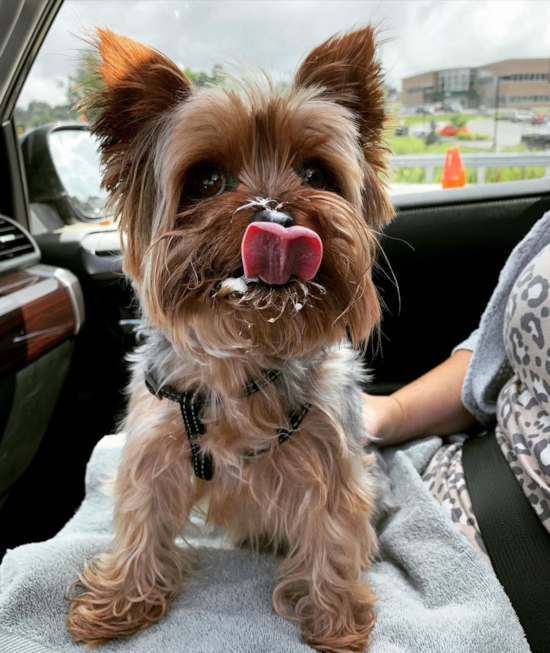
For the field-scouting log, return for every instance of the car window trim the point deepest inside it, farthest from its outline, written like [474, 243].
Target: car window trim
[472, 194]
[22, 39]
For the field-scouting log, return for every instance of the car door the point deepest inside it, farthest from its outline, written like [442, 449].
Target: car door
[441, 259]
[41, 307]
[66, 316]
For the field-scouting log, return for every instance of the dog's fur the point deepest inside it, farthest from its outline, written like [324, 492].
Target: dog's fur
[310, 499]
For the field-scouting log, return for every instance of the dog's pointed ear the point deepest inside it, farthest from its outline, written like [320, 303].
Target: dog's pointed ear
[347, 69]
[136, 86]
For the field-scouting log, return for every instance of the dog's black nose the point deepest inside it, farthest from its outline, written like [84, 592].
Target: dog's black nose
[279, 217]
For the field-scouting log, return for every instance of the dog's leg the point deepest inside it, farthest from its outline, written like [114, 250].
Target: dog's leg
[331, 546]
[131, 587]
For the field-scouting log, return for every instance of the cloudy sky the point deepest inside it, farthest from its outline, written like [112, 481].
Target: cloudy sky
[420, 35]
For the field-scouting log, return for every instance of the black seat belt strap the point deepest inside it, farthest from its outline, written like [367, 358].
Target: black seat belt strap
[516, 541]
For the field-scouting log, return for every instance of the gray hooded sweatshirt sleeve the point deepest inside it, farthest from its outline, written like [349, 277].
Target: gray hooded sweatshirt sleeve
[489, 368]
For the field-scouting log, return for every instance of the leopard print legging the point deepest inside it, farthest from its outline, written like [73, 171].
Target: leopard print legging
[523, 408]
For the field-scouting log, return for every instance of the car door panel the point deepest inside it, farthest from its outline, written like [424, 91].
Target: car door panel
[40, 306]
[37, 312]
[439, 267]
[41, 311]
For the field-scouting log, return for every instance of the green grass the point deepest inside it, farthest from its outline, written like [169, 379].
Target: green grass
[426, 119]
[413, 145]
[492, 175]
[470, 136]
[417, 175]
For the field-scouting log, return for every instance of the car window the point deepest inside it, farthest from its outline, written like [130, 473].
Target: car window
[466, 83]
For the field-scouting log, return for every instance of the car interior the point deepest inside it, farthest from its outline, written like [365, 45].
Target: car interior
[68, 315]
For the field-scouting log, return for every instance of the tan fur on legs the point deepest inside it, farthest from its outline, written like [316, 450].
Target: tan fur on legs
[311, 500]
[321, 577]
[130, 587]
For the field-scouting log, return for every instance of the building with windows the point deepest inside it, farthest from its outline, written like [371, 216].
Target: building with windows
[455, 85]
[521, 83]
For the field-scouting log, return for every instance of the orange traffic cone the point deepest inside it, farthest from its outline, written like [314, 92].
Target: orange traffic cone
[454, 173]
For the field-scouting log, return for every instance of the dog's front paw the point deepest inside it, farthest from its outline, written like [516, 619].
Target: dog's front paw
[337, 637]
[95, 620]
[109, 608]
[340, 626]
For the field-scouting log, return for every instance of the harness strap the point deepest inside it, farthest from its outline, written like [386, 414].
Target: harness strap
[168, 392]
[193, 402]
[269, 376]
[294, 420]
[191, 405]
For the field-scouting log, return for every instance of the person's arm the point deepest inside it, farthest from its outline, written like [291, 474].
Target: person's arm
[431, 405]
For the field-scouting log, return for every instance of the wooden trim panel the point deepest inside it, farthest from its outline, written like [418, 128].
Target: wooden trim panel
[36, 314]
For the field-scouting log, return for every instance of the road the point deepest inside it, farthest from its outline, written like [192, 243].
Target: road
[508, 133]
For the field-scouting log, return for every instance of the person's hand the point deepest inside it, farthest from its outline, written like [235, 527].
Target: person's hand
[383, 418]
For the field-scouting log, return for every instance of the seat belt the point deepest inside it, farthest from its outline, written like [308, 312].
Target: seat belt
[516, 541]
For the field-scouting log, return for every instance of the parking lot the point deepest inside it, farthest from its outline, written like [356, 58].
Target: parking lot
[508, 133]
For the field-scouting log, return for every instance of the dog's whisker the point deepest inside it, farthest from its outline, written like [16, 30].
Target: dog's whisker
[258, 201]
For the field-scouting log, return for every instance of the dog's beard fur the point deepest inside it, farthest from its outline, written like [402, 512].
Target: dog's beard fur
[185, 268]
[183, 254]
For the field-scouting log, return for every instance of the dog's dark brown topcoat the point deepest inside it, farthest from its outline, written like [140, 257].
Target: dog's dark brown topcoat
[313, 497]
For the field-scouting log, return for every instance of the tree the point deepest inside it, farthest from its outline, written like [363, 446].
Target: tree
[84, 80]
[459, 120]
[201, 78]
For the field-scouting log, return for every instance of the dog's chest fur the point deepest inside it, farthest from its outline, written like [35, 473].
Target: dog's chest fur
[235, 425]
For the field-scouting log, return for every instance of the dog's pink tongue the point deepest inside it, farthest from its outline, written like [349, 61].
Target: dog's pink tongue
[274, 253]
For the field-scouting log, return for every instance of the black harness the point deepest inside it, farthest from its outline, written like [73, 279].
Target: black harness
[192, 403]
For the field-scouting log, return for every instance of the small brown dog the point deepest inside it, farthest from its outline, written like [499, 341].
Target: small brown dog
[250, 220]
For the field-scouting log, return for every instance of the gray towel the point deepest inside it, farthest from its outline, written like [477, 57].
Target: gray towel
[435, 593]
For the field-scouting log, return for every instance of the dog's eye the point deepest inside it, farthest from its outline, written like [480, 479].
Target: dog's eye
[209, 181]
[313, 176]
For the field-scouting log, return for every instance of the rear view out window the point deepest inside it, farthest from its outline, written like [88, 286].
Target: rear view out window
[470, 77]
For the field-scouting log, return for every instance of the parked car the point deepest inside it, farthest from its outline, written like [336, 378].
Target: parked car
[452, 107]
[539, 140]
[450, 130]
[520, 115]
[540, 119]
[420, 131]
